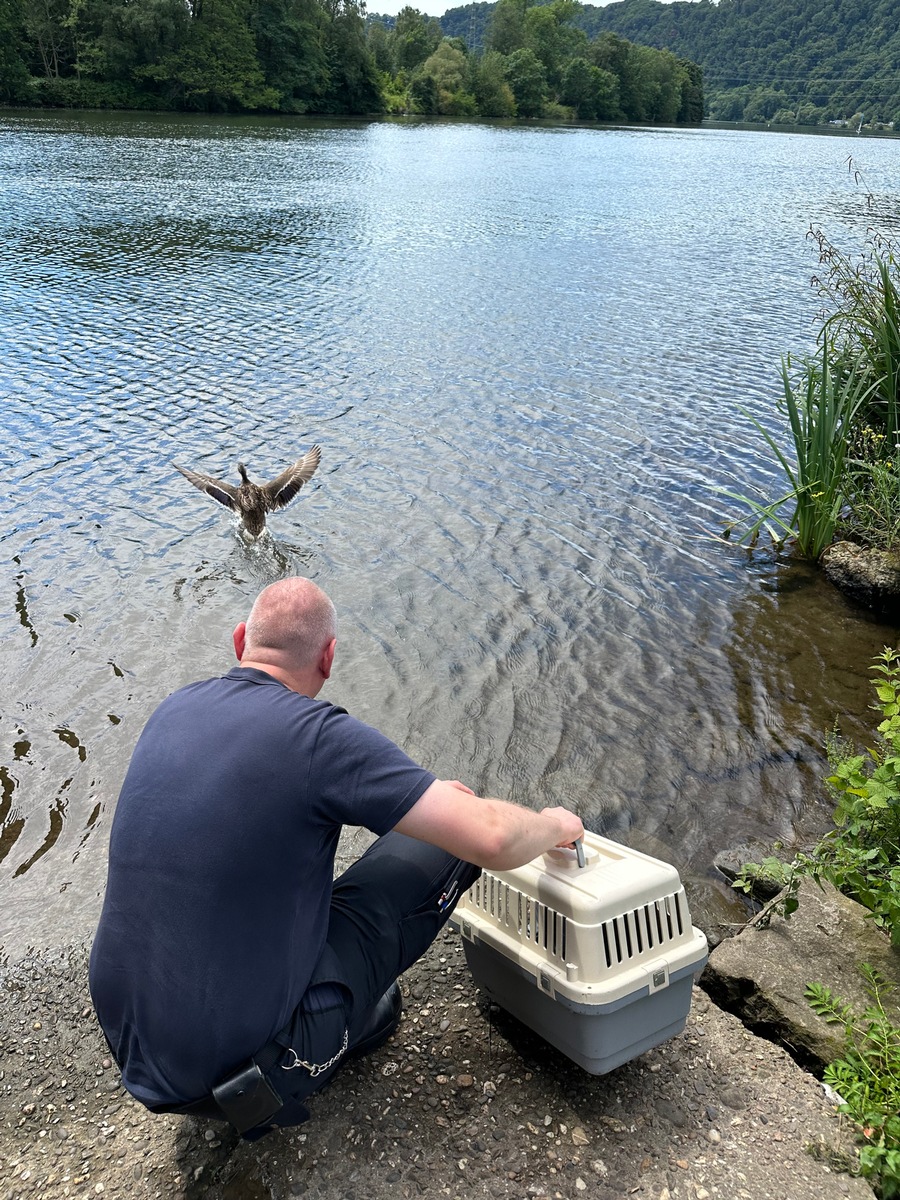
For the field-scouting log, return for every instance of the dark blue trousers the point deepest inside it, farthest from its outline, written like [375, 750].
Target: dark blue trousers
[386, 910]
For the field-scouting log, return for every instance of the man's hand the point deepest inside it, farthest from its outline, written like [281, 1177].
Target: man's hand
[570, 823]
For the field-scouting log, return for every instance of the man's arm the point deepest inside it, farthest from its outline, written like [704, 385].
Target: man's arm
[489, 833]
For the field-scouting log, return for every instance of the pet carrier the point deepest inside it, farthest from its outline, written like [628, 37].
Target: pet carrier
[598, 959]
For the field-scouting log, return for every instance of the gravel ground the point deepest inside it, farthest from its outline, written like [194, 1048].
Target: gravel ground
[462, 1102]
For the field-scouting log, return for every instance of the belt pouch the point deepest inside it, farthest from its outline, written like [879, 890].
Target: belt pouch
[247, 1098]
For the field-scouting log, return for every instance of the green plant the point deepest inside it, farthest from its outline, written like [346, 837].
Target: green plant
[767, 876]
[872, 517]
[821, 407]
[844, 409]
[864, 327]
[867, 1078]
[861, 855]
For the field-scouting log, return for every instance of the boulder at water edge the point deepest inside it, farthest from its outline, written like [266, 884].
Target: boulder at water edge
[871, 577]
[762, 973]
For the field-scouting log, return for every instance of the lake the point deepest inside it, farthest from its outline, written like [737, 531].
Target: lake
[528, 354]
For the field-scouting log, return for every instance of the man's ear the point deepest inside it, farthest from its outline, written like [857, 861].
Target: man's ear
[239, 637]
[327, 660]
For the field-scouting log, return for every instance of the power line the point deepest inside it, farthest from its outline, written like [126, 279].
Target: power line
[891, 80]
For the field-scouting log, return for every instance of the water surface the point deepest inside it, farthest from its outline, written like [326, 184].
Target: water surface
[524, 351]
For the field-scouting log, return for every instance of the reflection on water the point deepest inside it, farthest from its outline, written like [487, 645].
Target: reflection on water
[523, 352]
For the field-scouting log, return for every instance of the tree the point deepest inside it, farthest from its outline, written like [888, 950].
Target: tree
[525, 76]
[46, 26]
[492, 92]
[506, 31]
[615, 54]
[764, 103]
[290, 46]
[690, 111]
[216, 68]
[13, 70]
[379, 47]
[413, 39]
[353, 85]
[657, 86]
[138, 34]
[551, 40]
[423, 95]
[838, 55]
[591, 91]
[447, 67]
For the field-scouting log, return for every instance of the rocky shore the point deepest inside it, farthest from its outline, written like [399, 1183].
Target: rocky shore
[462, 1102]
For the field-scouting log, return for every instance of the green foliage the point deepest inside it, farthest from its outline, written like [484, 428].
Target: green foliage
[821, 407]
[526, 77]
[423, 95]
[864, 291]
[13, 70]
[872, 516]
[867, 1078]
[773, 875]
[762, 56]
[292, 50]
[322, 56]
[447, 67]
[215, 68]
[89, 93]
[493, 95]
[506, 30]
[861, 855]
[413, 38]
[288, 56]
[844, 410]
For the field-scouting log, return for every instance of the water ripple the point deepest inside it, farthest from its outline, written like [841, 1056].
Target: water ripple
[524, 352]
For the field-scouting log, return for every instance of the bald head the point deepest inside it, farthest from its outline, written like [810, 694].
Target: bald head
[290, 625]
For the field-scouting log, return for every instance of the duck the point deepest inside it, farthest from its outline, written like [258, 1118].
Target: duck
[252, 501]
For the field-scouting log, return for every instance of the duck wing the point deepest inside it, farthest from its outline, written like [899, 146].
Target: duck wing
[223, 492]
[284, 487]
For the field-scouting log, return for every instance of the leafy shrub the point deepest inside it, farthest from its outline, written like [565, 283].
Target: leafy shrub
[861, 857]
[90, 93]
[872, 515]
[767, 878]
[864, 292]
[867, 1078]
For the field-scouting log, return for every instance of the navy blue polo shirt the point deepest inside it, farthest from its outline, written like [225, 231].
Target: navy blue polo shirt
[221, 862]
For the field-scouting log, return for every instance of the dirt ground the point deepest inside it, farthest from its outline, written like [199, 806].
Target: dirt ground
[461, 1102]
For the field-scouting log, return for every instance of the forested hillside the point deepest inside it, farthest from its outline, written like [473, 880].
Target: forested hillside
[784, 60]
[323, 57]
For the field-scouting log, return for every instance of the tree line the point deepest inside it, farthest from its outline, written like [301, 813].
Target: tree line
[291, 56]
[325, 57]
[534, 60]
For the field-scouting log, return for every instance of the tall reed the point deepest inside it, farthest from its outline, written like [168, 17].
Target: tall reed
[821, 407]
